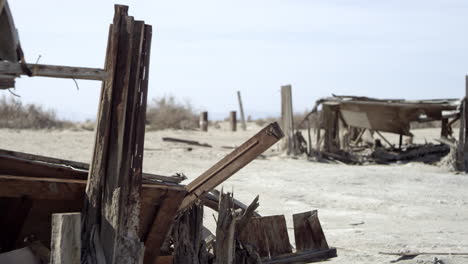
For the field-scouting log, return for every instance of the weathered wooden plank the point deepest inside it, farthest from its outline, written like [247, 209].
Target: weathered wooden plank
[317, 232]
[161, 225]
[268, 234]
[185, 141]
[66, 238]
[66, 189]
[308, 232]
[232, 163]
[276, 234]
[54, 71]
[211, 200]
[302, 257]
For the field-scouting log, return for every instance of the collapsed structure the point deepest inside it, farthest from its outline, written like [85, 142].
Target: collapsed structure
[109, 211]
[344, 120]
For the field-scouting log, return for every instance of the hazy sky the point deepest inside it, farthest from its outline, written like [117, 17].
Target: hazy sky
[204, 51]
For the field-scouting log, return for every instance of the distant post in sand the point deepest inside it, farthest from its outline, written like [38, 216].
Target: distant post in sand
[233, 120]
[287, 119]
[241, 109]
[204, 121]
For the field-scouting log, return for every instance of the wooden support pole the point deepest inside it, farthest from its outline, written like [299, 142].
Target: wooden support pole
[111, 211]
[444, 131]
[233, 121]
[241, 109]
[309, 137]
[204, 121]
[66, 238]
[330, 117]
[287, 119]
[54, 71]
[465, 130]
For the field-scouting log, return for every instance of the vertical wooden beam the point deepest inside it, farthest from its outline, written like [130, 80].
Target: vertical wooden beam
[112, 209]
[464, 119]
[204, 121]
[233, 120]
[309, 137]
[444, 131]
[330, 117]
[287, 119]
[225, 230]
[66, 238]
[187, 236]
[241, 109]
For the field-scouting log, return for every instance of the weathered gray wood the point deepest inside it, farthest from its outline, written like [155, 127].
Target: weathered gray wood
[287, 123]
[115, 176]
[232, 163]
[330, 118]
[233, 120]
[204, 121]
[248, 213]
[302, 257]
[66, 239]
[464, 119]
[268, 234]
[187, 236]
[241, 109]
[308, 232]
[54, 71]
[317, 232]
[225, 230]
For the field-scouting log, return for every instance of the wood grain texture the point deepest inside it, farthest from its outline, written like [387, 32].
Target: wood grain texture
[66, 238]
[54, 71]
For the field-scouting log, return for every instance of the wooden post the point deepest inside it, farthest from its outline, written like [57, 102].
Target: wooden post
[233, 120]
[111, 211]
[287, 119]
[464, 119]
[309, 137]
[204, 121]
[241, 109]
[330, 117]
[66, 238]
[444, 132]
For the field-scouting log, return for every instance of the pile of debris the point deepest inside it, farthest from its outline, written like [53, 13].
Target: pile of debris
[350, 129]
[109, 211]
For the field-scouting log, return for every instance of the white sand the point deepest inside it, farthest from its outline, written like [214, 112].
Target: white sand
[413, 207]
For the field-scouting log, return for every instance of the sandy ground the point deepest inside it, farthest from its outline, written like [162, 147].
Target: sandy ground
[363, 209]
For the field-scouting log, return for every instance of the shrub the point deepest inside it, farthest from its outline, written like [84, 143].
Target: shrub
[15, 114]
[167, 112]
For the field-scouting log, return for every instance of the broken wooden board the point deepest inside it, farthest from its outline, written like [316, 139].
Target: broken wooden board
[20, 163]
[302, 257]
[268, 234]
[232, 163]
[159, 204]
[308, 232]
[189, 142]
[211, 200]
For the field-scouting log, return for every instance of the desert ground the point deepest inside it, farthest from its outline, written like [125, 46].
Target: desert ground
[364, 210]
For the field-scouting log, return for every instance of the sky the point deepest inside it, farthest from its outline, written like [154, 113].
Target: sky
[204, 51]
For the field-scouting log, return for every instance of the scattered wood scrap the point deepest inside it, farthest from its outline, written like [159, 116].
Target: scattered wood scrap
[185, 141]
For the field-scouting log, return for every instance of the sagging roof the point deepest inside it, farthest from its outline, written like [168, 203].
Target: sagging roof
[391, 115]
